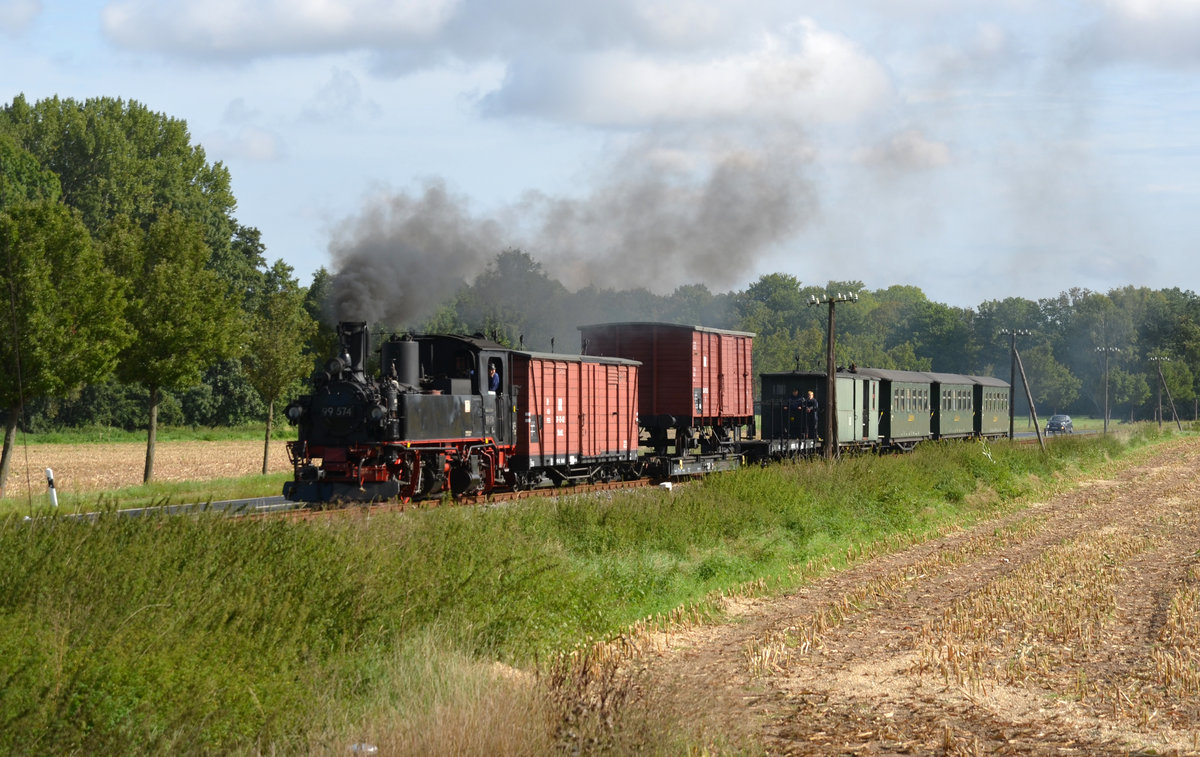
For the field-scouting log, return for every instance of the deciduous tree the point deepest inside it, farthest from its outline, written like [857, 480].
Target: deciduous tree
[182, 316]
[1051, 384]
[275, 357]
[63, 322]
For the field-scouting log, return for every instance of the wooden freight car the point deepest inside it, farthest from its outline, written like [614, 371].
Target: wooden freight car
[695, 383]
[576, 417]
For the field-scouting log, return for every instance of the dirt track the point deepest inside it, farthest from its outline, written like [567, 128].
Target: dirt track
[1072, 627]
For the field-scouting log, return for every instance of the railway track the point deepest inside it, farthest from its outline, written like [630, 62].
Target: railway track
[278, 507]
[362, 509]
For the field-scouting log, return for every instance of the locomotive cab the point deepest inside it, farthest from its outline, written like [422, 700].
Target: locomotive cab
[454, 401]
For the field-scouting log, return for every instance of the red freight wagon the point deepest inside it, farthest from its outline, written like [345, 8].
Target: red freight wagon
[574, 412]
[692, 377]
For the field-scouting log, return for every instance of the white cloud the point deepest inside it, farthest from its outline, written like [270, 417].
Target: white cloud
[804, 75]
[18, 15]
[250, 28]
[1163, 32]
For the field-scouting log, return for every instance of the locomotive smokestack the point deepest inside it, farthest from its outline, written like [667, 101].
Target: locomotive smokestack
[354, 341]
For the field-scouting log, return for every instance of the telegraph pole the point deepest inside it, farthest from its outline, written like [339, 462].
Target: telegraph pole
[1012, 372]
[1162, 384]
[830, 444]
[1158, 361]
[1107, 351]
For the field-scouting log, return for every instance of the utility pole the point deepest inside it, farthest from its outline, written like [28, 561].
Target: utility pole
[1162, 384]
[1158, 360]
[1012, 372]
[1106, 351]
[830, 445]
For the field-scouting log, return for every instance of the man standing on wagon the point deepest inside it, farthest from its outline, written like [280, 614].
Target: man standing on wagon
[810, 409]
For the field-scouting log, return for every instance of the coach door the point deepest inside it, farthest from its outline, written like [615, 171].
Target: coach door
[870, 410]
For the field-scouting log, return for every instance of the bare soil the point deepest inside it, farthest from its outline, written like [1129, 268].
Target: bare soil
[1071, 627]
[101, 467]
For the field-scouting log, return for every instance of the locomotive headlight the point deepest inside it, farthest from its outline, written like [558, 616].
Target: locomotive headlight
[294, 413]
[378, 412]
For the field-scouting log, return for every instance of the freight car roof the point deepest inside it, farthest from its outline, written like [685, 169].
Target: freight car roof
[668, 326]
[482, 343]
[576, 358]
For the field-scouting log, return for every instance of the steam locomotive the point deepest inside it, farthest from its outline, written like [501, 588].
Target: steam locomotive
[654, 399]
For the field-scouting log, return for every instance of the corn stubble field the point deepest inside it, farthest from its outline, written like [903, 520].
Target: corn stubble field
[813, 614]
[1072, 627]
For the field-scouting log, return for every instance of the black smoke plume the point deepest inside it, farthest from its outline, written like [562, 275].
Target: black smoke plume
[662, 216]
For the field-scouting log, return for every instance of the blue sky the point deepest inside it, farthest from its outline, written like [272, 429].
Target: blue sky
[977, 150]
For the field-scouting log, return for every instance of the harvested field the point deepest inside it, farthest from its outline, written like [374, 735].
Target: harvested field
[100, 467]
[1069, 628]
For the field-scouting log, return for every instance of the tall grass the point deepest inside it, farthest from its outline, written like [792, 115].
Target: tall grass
[204, 634]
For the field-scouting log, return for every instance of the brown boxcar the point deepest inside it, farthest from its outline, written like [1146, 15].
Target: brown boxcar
[691, 376]
[574, 411]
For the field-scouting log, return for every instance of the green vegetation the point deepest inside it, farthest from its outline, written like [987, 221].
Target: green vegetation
[124, 259]
[205, 634]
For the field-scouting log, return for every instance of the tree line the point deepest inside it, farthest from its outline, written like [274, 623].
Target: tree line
[125, 274]
[133, 295]
[1063, 341]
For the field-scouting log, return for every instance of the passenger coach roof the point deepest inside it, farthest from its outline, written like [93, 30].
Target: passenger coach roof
[990, 381]
[887, 374]
[806, 374]
[951, 378]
